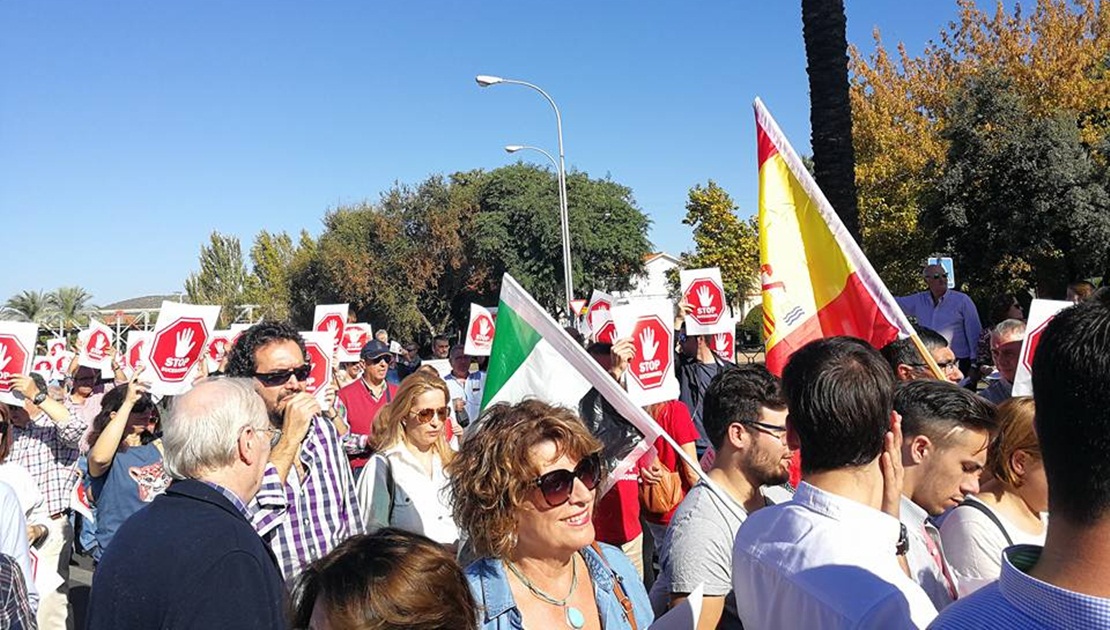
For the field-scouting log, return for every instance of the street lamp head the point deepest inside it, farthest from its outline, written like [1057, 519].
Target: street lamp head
[513, 148]
[486, 80]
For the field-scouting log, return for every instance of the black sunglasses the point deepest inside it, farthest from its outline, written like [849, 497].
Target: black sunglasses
[273, 379]
[557, 485]
[936, 276]
[385, 358]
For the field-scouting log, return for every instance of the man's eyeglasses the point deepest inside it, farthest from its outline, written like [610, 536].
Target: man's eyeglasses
[273, 379]
[935, 276]
[557, 485]
[275, 434]
[426, 415]
[945, 366]
[773, 430]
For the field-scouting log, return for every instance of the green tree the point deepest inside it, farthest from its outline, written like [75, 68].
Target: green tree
[72, 305]
[223, 278]
[28, 306]
[305, 281]
[1020, 201]
[721, 240]
[830, 110]
[271, 260]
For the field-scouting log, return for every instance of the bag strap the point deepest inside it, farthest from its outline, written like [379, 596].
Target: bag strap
[391, 487]
[991, 515]
[618, 587]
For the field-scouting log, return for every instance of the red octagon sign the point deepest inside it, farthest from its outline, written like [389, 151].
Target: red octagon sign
[321, 367]
[136, 354]
[355, 336]
[651, 356]
[481, 331]
[13, 360]
[218, 347]
[707, 300]
[177, 347]
[724, 344]
[98, 346]
[332, 323]
[1031, 341]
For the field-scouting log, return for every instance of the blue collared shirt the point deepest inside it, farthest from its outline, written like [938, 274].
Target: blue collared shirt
[953, 316]
[1018, 601]
[230, 496]
[498, 610]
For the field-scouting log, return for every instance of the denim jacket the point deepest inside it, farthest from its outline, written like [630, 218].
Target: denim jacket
[498, 611]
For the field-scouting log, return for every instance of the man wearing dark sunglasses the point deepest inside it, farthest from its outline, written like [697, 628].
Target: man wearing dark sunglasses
[947, 311]
[307, 503]
[364, 398]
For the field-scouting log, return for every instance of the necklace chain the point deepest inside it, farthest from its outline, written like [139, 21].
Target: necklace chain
[542, 595]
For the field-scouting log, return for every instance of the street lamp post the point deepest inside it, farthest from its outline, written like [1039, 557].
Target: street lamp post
[561, 170]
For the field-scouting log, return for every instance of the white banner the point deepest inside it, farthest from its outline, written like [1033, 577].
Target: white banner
[94, 346]
[479, 332]
[1040, 313]
[177, 344]
[17, 351]
[355, 336]
[320, 347]
[703, 291]
[331, 318]
[649, 324]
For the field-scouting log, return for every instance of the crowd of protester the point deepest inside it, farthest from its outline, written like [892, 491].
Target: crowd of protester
[395, 501]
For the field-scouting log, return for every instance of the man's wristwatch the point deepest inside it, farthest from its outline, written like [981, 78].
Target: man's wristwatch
[903, 546]
[39, 397]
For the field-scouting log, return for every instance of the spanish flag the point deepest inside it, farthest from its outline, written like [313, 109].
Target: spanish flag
[816, 281]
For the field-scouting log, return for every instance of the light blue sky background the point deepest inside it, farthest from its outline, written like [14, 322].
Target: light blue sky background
[130, 130]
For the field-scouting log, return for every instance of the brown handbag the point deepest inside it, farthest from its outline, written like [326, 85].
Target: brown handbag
[660, 498]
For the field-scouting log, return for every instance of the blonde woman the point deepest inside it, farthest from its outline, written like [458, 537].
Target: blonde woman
[403, 483]
[1010, 507]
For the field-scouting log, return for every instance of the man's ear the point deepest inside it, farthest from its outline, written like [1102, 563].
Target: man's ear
[917, 449]
[736, 435]
[905, 372]
[248, 447]
[792, 440]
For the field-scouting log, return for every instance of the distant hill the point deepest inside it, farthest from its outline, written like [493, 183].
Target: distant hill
[144, 302]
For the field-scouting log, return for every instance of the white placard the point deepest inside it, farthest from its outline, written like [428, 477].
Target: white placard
[1040, 313]
[219, 344]
[56, 346]
[137, 341]
[331, 318]
[177, 344]
[685, 616]
[17, 351]
[703, 291]
[43, 366]
[61, 364]
[355, 336]
[649, 323]
[320, 347]
[94, 346]
[479, 332]
[723, 343]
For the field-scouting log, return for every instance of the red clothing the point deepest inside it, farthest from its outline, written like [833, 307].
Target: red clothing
[617, 515]
[362, 409]
[674, 418]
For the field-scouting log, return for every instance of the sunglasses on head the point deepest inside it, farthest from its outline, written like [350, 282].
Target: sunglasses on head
[273, 379]
[557, 485]
[426, 415]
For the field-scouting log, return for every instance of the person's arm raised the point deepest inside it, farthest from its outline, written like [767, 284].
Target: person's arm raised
[107, 443]
[299, 411]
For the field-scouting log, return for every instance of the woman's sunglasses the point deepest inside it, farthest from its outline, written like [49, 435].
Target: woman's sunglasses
[273, 379]
[426, 415]
[557, 485]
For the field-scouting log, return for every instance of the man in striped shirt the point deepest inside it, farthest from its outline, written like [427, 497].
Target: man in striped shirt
[306, 505]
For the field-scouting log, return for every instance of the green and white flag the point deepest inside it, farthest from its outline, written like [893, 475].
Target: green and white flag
[533, 357]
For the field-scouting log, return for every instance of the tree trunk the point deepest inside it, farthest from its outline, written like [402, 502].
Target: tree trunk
[830, 113]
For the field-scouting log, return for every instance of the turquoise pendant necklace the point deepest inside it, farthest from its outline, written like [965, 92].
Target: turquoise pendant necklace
[574, 617]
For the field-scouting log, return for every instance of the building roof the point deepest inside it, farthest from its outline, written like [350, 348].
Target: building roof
[657, 255]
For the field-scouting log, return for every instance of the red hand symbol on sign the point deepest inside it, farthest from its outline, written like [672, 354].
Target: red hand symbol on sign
[177, 347]
[12, 359]
[333, 324]
[708, 299]
[649, 366]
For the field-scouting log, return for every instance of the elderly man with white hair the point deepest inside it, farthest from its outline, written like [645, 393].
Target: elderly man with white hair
[191, 559]
[1006, 339]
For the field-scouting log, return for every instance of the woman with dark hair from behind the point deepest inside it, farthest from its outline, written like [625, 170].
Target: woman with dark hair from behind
[388, 580]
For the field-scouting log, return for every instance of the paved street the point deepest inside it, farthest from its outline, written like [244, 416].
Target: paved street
[80, 581]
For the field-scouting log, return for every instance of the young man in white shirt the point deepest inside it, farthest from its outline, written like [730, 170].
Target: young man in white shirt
[745, 419]
[945, 433]
[827, 558]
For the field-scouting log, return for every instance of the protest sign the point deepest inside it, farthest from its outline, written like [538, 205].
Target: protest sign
[320, 347]
[43, 366]
[56, 346]
[1041, 313]
[648, 323]
[723, 343]
[94, 346]
[479, 332]
[136, 344]
[177, 344]
[703, 291]
[598, 317]
[331, 318]
[17, 351]
[219, 343]
[355, 336]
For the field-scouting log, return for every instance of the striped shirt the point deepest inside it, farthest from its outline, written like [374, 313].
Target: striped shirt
[303, 519]
[15, 607]
[1018, 601]
[49, 452]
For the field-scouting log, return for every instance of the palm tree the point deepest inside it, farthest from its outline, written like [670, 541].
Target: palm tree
[830, 110]
[72, 305]
[27, 306]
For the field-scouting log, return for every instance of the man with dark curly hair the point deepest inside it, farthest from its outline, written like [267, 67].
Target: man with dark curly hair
[307, 503]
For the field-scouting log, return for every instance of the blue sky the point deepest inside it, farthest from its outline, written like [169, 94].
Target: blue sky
[131, 130]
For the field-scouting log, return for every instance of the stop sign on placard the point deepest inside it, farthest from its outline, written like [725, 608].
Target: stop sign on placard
[724, 344]
[707, 300]
[321, 364]
[1031, 341]
[13, 356]
[217, 348]
[481, 331]
[355, 336]
[177, 348]
[333, 324]
[136, 354]
[651, 357]
[98, 345]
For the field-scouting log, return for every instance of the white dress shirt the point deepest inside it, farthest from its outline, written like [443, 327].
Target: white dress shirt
[926, 556]
[421, 503]
[823, 561]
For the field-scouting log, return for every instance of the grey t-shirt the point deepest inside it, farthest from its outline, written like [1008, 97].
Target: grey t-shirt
[697, 549]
